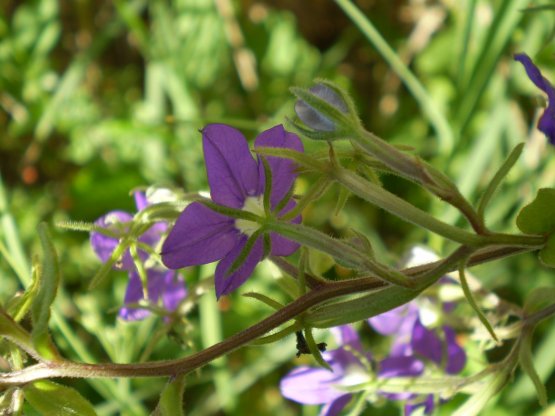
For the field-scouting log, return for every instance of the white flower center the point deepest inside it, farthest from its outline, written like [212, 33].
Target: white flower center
[255, 205]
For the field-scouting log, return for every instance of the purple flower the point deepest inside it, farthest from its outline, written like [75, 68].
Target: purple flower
[350, 365]
[236, 180]
[546, 123]
[415, 341]
[161, 283]
[312, 117]
[412, 338]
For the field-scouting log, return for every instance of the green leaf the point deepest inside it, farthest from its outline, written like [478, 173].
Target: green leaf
[538, 217]
[547, 253]
[476, 403]
[527, 364]
[538, 299]
[49, 279]
[498, 178]
[171, 399]
[358, 307]
[52, 399]
[15, 333]
[19, 305]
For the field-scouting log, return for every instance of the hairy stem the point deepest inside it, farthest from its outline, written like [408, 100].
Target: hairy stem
[194, 361]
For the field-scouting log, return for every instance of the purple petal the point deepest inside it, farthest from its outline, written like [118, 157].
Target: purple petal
[232, 171]
[398, 321]
[341, 359]
[334, 408]
[535, 75]
[405, 366]
[313, 118]
[134, 294]
[226, 284]
[546, 123]
[103, 245]
[428, 404]
[346, 335]
[199, 236]
[153, 235]
[456, 357]
[426, 343]
[174, 290]
[282, 246]
[283, 170]
[140, 200]
[400, 366]
[161, 283]
[310, 386]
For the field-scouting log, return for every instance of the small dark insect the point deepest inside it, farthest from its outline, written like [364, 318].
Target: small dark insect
[302, 346]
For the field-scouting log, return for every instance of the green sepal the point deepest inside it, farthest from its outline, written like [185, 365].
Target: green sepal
[527, 364]
[11, 402]
[162, 211]
[52, 399]
[474, 405]
[102, 273]
[342, 199]
[538, 217]
[361, 242]
[242, 257]
[278, 335]
[19, 305]
[305, 161]
[319, 262]
[274, 304]
[267, 186]
[49, 279]
[547, 253]
[351, 107]
[340, 120]
[314, 349]
[171, 399]
[14, 332]
[501, 173]
[141, 271]
[472, 302]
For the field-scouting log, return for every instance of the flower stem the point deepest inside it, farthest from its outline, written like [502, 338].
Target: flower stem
[187, 364]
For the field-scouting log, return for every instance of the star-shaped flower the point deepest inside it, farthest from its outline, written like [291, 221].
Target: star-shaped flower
[350, 367]
[546, 123]
[162, 284]
[201, 235]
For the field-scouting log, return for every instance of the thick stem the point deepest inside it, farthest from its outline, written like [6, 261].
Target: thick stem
[404, 210]
[192, 362]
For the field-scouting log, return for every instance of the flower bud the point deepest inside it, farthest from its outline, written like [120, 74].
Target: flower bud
[314, 118]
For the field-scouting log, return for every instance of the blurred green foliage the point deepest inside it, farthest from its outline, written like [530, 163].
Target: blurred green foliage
[98, 98]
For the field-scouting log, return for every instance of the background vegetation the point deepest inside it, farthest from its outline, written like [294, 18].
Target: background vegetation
[98, 98]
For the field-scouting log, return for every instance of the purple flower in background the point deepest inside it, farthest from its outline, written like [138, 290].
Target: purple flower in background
[236, 180]
[161, 283]
[546, 123]
[350, 365]
[413, 339]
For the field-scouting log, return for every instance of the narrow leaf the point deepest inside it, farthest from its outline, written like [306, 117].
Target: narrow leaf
[264, 299]
[171, 399]
[52, 399]
[15, 333]
[48, 286]
[498, 178]
[470, 298]
[527, 364]
[538, 217]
